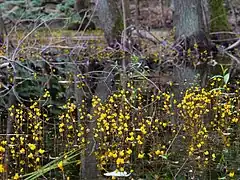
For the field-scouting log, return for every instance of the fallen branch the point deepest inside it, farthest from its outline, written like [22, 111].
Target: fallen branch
[4, 65]
[234, 45]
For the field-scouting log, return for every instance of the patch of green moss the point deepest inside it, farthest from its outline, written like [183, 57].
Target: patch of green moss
[219, 20]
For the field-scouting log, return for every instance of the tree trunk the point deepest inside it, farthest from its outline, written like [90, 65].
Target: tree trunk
[2, 29]
[11, 101]
[109, 19]
[190, 23]
[103, 90]
[137, 13]
[81, 5]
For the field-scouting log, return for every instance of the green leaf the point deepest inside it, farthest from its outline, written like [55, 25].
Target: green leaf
[164, 156]
[226, 78]
[217, 89]
[217, 76]
[134, 58]
[67, 159]
[222, 178]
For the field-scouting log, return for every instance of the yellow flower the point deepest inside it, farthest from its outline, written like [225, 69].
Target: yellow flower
[120, 161]
[231, 174]
[140, 155]
[30, 155]
[60, 165]
[206, 153]
[157, 152]
[121, 153]
[129, 151]
[164, 124]
[41, 151]
[2, 149]
[32, 146]
[22, 162]
[2, 169]
[213, 156]
[114, 155]
[16, 176]
[235, 120]
[4, 142]
[110, 154]
[61, 125]
[22, 151]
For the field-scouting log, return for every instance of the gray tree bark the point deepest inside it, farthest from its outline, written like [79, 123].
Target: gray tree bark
[2, 29]
[103, 90]
[109, 18]
[190, 20]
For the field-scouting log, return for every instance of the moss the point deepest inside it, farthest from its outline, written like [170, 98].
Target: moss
[118, 27]
[219, 20]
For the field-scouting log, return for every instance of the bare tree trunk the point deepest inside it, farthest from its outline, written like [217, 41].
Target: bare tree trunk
[103, 89]
[11, 101]
[109, 19]
[79, 94]
[191, 19]
[2, 29]
[137, 13]
[234, 13]
[190, 25]
[81, 5]
[162, 13]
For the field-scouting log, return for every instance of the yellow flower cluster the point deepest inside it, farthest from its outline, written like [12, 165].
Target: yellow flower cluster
[123, 127]
[70, 129]
[205, 114]
[26, 143]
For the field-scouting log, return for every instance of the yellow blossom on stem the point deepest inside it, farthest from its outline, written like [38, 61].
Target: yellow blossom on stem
[2, 169]
[22, 151]
[129, 151]
[231, 174]
[60, 165]
[41, 151]
[32, 146]
[30, 155]
[2, 149]
[16, 176]
[140, 155]
[119, 161]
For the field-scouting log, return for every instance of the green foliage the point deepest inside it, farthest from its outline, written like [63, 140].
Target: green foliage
[219, 20]
[222, 80]
[36, 3]
[143, 128]
[66, 6]
[60, 162]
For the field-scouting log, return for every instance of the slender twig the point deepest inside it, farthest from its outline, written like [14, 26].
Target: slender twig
[175, 177]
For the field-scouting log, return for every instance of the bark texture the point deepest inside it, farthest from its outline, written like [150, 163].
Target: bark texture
[108, 17]
[103, 90]
[2, 29]
[190, 23]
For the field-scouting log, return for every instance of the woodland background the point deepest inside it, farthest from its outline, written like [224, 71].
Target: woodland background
[81, 98]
